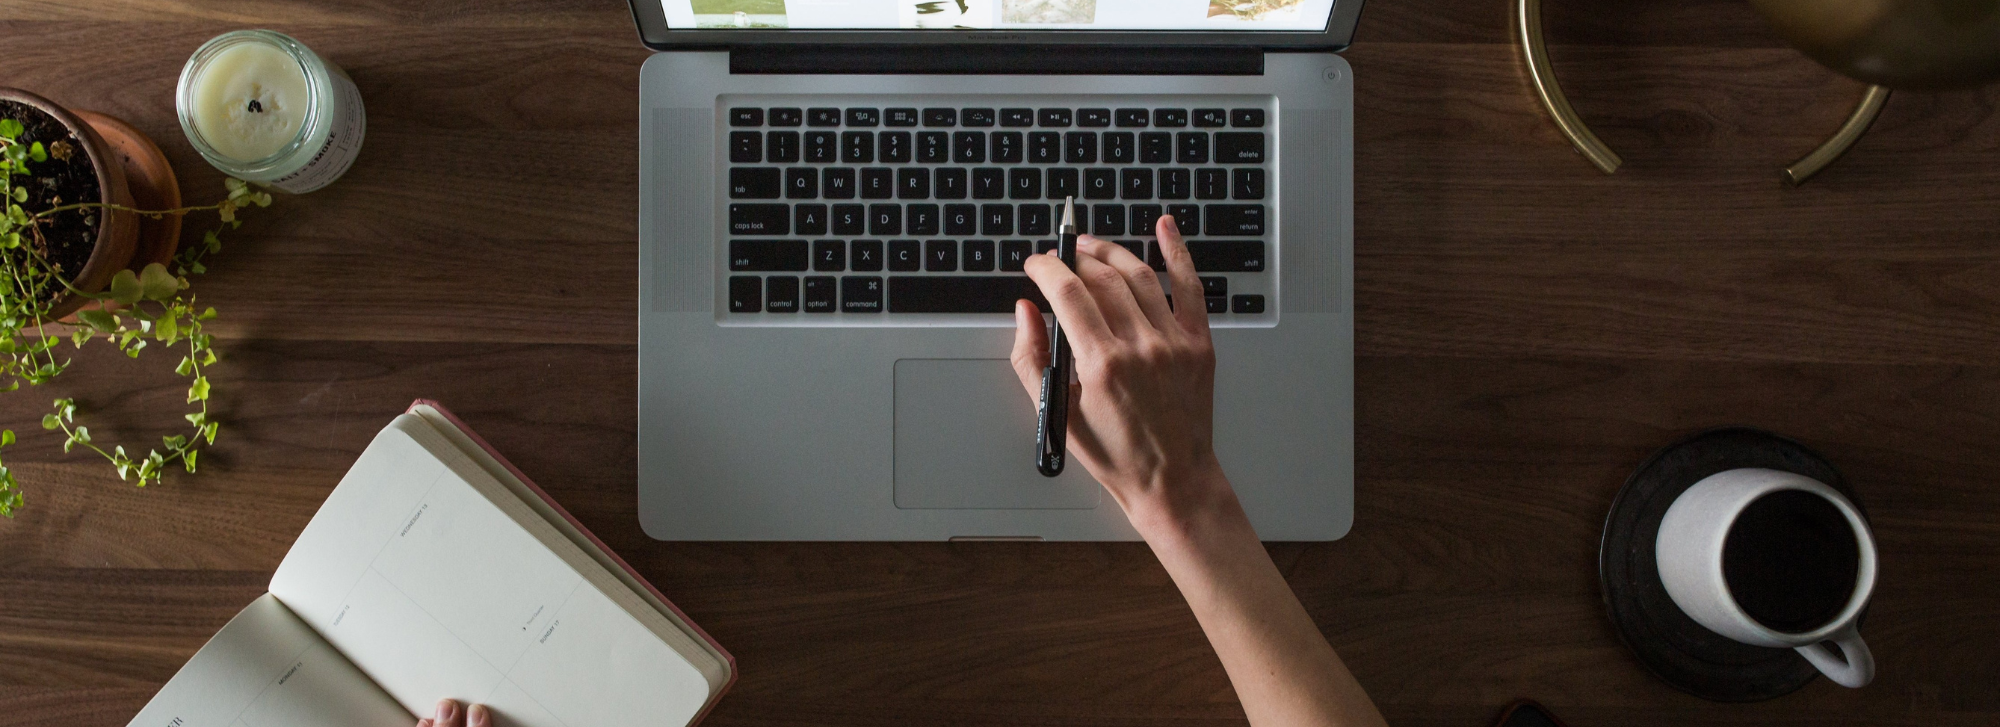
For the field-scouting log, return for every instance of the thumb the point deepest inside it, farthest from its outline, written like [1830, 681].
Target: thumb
[1031, 347]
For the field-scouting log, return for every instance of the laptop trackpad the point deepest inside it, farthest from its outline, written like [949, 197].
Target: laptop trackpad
[965, 438]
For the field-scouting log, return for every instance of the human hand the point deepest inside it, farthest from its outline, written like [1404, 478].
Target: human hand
[1142, 410]
[449, 714]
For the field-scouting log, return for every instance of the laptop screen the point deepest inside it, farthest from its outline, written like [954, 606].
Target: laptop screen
[1019, 15]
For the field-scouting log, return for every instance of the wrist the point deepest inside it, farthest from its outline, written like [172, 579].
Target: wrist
[1188, 511]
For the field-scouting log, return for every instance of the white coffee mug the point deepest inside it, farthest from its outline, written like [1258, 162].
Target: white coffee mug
[1689, 553]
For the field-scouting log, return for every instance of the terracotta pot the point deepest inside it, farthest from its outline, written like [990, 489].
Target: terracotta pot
[131, 172]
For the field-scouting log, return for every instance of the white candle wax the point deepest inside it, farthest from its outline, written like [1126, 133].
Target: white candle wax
[250, 101]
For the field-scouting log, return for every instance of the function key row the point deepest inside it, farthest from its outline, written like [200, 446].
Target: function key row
[908, 294]
[1102, 220]
[1055, 118]
[972, 256]
[998, 147]
[1020, 183]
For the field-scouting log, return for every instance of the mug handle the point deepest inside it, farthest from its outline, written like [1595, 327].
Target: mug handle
[1855, 670]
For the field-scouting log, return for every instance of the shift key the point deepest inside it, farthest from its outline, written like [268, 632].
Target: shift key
[1233, 220]
[767, 255]
[760, 219]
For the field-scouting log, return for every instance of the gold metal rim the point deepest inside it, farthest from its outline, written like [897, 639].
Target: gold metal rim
[1528, 24]
[1857, 124]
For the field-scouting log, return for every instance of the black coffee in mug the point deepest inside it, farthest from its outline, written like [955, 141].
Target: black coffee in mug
[1791, 561]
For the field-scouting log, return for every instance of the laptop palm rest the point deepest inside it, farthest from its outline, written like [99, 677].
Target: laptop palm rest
[965, 439]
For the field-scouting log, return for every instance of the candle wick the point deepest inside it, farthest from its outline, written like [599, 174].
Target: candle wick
[255, 107]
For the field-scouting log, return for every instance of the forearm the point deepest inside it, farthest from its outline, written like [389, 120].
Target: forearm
[1284, 671]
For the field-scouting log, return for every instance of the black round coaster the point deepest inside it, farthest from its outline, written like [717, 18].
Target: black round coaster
[1679, 651]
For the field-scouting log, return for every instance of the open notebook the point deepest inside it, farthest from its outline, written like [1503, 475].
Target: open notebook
[436, 570]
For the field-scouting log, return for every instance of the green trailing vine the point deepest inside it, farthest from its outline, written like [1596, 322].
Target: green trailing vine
[153, 306]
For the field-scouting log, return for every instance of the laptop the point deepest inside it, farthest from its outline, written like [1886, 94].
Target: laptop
[835, 201]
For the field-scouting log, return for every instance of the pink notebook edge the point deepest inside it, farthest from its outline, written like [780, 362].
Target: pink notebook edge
[537, 489]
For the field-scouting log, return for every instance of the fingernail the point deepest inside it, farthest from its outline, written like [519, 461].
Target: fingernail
[425, 722]
[446, 710]
[477, 715]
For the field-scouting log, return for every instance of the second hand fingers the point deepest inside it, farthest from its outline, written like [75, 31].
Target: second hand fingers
[1192, 311]
[1142, 281]
[1112, 291]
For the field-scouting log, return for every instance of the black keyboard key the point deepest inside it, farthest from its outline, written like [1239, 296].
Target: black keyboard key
[867, 256]
[885, 219]
[961, 219]
[1156, 260]
[829, 256]
[822, 147]
[1044, 147]
[923, 219]
[821, 293]
[809, 219]
[914, 183]
[1239, 147]
[940, 117]
[1135, 183]
[1036, 219]
[968, 147]
[1024, 183]
[933, 147]
[961, 293]
[850, 219]
[746, 294]
[1118, 147]
[837, 183]
[977, 117]
[864, 117]
[822, 117]
[951, 183]
[1043, 247]
[746, 147]
[1211, 184]
[1062, 183]
[767, 255]
[978, 256]
[1100, 183]
[1187, 217]
[782, 147]
[900, 117]
[905, 256]
[753, 183]
[1214, 285]
[1218, 305]
[760, 219]
[1107, 220]
[1156, 147]
[895, 147]
[1210, 118]
[1247, 118]
[861, 294]
[1014, 255]
[1055, 118]
[1249, 304]
[801, 183]
[787, 117]
[1234, 220]
[1227, 257]
[1175, 183]
[1134, 118]
[1193, 147]
[1007, 147]
[1093, 117]
[1146, 219]
[878, 183]
[940, 256]
[989, 183]
[1137, 248]
[1080, 147]
[1017, 117]
[857, 147]
[781, 294]
[1249, 184]
[996, 219]
[746, 117]
[1170, 118]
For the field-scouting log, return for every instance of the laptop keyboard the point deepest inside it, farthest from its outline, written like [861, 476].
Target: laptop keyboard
[872, 213]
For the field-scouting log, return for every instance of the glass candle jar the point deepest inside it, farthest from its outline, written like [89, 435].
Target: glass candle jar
[264, 108]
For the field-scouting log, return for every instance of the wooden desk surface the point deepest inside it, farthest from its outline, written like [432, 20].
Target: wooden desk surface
[1528, 331]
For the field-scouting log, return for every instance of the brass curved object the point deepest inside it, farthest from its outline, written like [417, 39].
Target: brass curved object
[1850, 132]
[1528, 25]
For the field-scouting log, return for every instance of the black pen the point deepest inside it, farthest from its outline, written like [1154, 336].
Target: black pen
[1052, 427]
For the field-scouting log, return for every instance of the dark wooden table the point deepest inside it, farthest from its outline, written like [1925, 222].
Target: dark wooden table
[1528, 330]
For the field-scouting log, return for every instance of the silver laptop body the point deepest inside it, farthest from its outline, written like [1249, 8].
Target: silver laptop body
[858, 399]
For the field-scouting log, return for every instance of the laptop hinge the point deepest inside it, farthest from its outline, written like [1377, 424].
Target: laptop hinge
[1009, 60]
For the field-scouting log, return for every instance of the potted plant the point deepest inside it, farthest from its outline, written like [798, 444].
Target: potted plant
[89, 224]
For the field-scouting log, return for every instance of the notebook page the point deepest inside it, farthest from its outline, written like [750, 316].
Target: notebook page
[435, 592]
[267, 668]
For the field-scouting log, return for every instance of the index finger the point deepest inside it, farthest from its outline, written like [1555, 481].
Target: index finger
[1074, 306]
[1192, 310]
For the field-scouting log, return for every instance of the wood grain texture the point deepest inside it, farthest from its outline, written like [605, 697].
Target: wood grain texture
[1529, 331]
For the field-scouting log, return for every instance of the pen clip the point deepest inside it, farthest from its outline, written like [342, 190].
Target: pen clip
[1050, 440]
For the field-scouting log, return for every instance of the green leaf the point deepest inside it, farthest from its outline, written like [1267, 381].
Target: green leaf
[196, 418]
[186, 367]
[188, 459]
[207, 356]
[98, 319]
[6, 437]
[37, 152]
[83, 435]
[174, 442]
[125, 288]
[158, 284]
[168, 330]
[198, 391]
[10, 128]
[207, 315]
[208, 432]
[20, 194]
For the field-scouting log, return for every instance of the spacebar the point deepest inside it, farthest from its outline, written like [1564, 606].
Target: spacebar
[961, 293]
